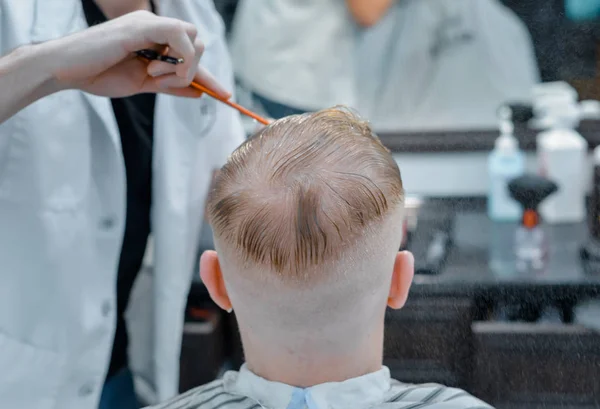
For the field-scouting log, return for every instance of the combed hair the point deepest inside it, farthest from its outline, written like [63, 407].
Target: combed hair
[303, 189]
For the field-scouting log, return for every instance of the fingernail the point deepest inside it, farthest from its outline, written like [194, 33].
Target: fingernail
[229, 311]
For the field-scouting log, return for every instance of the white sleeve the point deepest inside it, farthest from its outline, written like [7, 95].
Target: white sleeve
[226, 131]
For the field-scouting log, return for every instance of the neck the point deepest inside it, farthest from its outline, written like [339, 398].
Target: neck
[303, 366]
[117, 8]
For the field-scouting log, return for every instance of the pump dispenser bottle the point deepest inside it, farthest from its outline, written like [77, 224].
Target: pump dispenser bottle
[590, 251]
[594, 218]
[562, 157]
[505, 163]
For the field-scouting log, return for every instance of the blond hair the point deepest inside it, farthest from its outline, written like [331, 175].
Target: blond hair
[301, 190]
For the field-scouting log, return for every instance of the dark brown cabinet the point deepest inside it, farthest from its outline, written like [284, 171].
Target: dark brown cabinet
[518, 365]
[202, 349]
[430, 341]
[435, 338]
[508, 364]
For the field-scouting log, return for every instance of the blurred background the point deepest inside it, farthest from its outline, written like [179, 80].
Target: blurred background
[491, 110]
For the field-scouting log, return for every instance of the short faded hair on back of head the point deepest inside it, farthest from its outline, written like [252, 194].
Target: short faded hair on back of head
[303, 189]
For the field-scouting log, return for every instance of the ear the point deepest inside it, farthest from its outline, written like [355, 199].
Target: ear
[212, 277]
[404, 270]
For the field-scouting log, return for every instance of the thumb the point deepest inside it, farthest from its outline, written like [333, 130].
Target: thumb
[169, 84]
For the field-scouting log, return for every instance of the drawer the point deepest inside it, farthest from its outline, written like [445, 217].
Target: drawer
[536, 365]
[430, 341]
[202, 355]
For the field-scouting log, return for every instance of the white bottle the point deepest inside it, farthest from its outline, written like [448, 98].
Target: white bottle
[562, 158]
[505, 163]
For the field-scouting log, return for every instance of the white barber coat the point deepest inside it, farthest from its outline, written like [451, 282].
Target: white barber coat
[305, 57]
[444, 65]
[62, 210]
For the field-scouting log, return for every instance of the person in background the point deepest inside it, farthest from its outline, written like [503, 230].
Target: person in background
[307, 218]
[438, 65]
[84, 179]
[298, 56]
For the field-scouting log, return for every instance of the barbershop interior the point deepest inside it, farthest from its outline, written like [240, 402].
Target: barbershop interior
[491, 110]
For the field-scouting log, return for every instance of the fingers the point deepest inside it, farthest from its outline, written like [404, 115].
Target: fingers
[183, 92]
[167, 78]
[186, 73]
[165, 82]
[181, 39]
[169, 84]
[206, 78]
[179, 36]
[142, 29]
[158, 68]
[190, 71]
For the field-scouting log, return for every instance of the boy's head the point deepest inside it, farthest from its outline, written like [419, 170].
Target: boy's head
[307, 218]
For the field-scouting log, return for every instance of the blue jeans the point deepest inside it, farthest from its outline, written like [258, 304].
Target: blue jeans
[119, 392]
[276, 110]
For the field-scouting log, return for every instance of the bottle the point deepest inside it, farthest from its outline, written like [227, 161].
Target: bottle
[505, 163]
[531, 248]
[562, 157]
[594, 220]
[582, 10]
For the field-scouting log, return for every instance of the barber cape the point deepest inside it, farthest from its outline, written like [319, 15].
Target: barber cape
[443, 65]
[245, 390]
[62, 214]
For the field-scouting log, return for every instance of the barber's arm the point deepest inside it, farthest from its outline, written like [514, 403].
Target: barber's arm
[368, 12]
[24, 78]
[101, 60]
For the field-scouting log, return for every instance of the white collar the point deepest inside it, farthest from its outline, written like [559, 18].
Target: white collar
[364, 391]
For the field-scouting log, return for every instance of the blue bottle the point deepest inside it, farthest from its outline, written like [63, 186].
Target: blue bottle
[582, 10]
[505, 163]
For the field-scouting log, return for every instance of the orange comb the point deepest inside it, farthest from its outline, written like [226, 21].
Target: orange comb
[240, 108]
[148, 55]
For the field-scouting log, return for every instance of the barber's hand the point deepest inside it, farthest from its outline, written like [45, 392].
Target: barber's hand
[101, 59]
